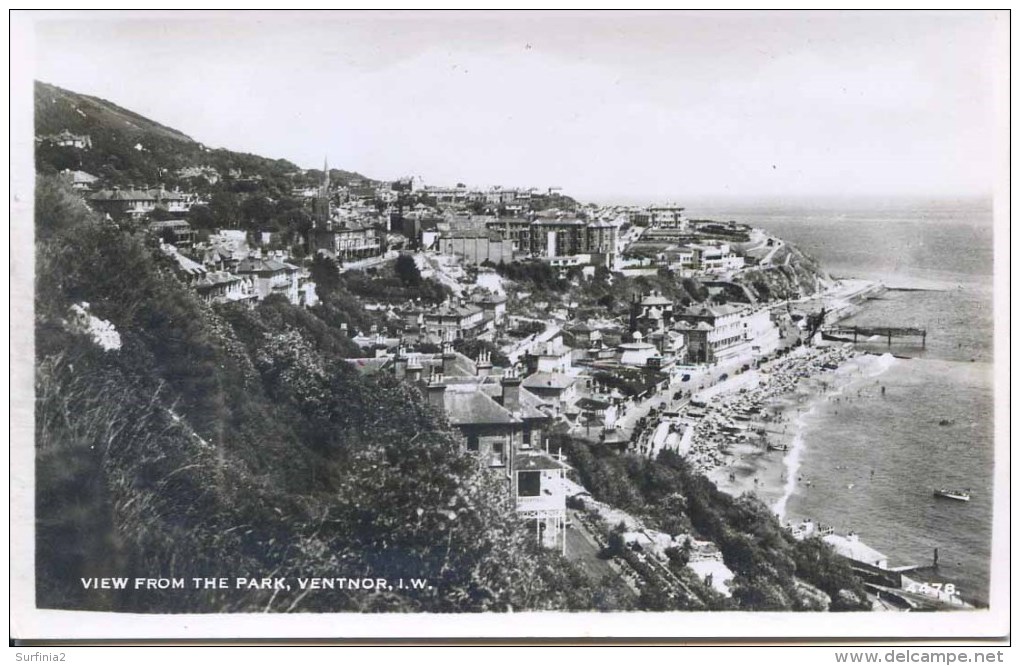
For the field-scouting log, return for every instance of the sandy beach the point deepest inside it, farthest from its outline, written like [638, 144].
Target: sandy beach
[751, 440]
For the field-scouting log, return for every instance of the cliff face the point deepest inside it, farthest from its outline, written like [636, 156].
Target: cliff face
[793, 274]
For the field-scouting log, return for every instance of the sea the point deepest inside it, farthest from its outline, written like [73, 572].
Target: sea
[874, 457]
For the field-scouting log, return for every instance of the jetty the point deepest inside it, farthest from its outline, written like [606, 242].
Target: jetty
[852, 333]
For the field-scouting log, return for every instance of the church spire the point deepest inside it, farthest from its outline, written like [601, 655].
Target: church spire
[320, 206]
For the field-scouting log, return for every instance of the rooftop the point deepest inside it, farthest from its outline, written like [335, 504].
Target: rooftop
[526, 461]
[851, 547]
[475, 407]
[555, 380]
[256, 265]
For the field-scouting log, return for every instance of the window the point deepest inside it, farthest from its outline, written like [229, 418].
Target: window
[529, 484]
[497, 454]
[472, 443]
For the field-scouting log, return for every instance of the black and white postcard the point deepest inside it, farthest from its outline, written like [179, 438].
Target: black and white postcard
[510, 324]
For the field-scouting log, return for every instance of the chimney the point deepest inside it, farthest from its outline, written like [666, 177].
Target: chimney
[448, 358]
[483, 366]
[414, 368]
[400, 363]
[511, 384]
[437, 391]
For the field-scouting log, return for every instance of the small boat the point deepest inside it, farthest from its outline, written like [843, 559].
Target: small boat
[950, 493]
[778, 447]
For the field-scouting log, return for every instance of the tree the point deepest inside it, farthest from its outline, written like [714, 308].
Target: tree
[407, 270]
[224, 208]
[160, 213]
[201, 217]
[256, 212]
[325, 274]
[56, 207]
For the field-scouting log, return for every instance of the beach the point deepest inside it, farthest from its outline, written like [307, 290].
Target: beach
[934, 425]
[752, 439]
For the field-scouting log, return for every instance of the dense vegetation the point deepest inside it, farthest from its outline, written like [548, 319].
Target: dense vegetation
[771, 567]
[228, 442]
[387, 284]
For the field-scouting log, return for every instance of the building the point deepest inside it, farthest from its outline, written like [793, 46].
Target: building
[349, 241]
[347, 233]
[716, 333]
[67, 139]
[271, 276]
[477, 247]
[448, 195]
[504, 425]
[357, 241]
[549, 356]
[602, 240]
[550, 237]
[135, 204]
[454, 321]
[637, 353]
[653, 312]
[189, 272]
[558, 237]
[715, 258]
[553, 387]
[174, 201]
[207, 173]
[540, 494]
[224, 287]
[516, 230]
[119, 204]
[669, 216]
[493, 306]
[175, 232]
[80, 180]
[852, 548]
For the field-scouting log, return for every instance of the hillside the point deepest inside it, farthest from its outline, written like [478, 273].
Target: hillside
[177, 439]
[57, 109]
[130, 150]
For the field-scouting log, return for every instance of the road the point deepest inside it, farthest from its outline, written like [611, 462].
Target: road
[515, 352]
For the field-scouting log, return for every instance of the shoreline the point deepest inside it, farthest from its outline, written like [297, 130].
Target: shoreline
[790, 404]
[776, 479]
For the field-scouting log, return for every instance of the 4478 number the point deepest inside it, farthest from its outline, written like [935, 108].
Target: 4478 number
[932, 588]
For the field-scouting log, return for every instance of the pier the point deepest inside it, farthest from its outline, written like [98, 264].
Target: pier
[887, 332]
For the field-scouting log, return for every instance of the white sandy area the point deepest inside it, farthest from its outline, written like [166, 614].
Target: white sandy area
[787, 403]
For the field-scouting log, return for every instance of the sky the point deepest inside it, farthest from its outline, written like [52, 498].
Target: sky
[643, 106]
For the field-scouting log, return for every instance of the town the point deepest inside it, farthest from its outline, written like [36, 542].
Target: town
[534, 323]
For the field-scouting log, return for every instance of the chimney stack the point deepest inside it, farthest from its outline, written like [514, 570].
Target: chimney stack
[414, 368]
[400, 363]
[437, 391]
[511, 384]
[483, 366]
[449, 357]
